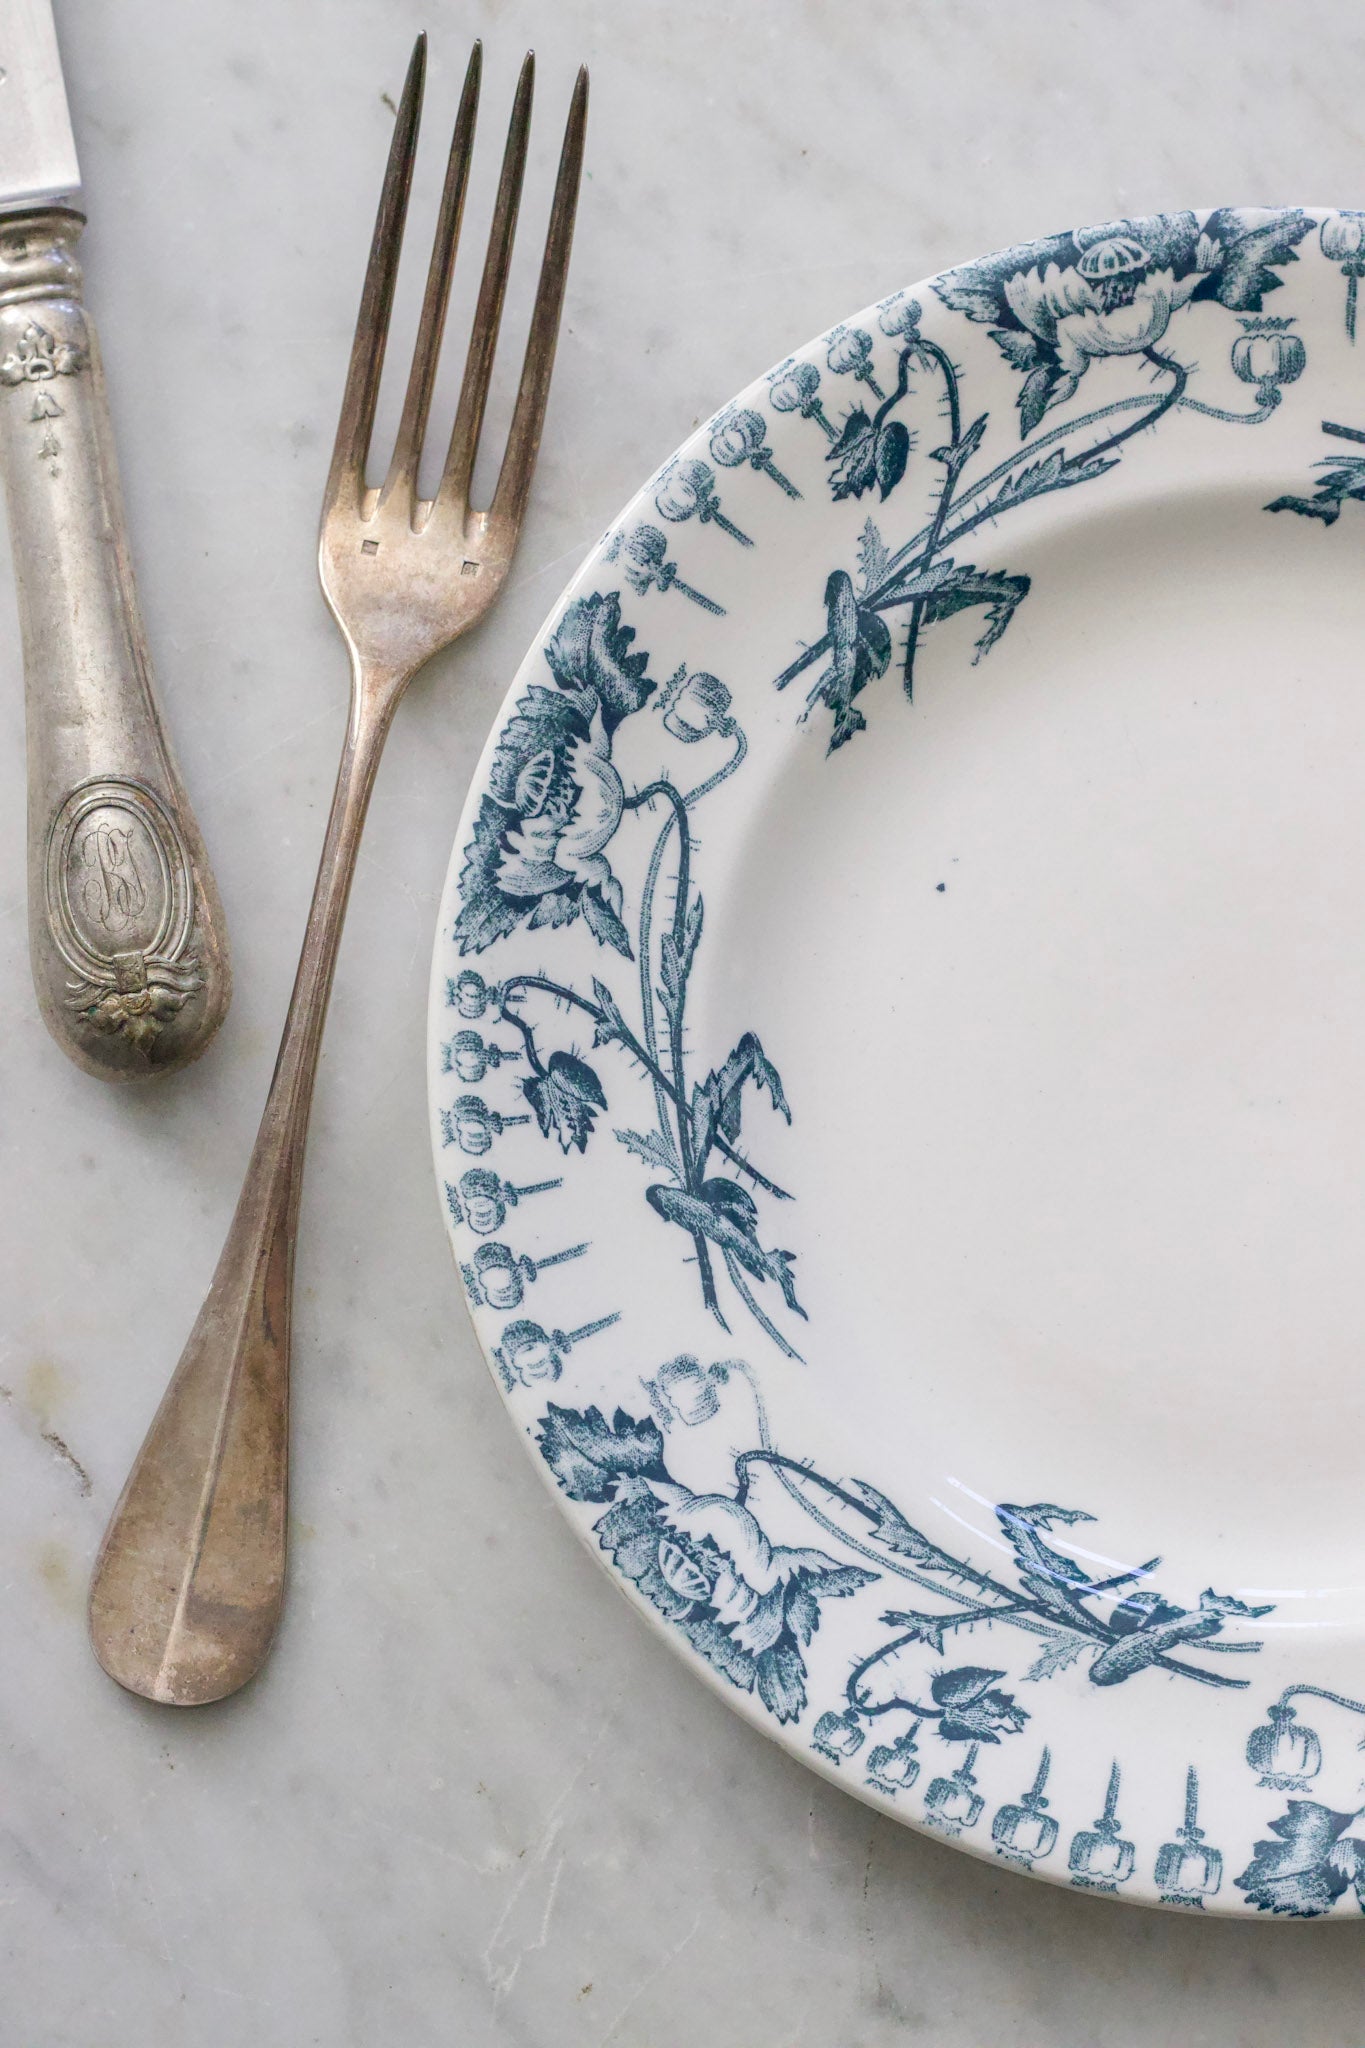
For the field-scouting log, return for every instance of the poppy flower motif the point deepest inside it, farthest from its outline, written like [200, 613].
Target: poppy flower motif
[1114, 303]
[565, 836]
[749, 1606]
[1056, 306]
[555, 797]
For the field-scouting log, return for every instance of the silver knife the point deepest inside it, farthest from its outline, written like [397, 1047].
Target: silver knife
[125, 927]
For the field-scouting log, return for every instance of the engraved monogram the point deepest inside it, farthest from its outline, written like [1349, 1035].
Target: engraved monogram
[38, 358]
[112, 890]
[120, 906]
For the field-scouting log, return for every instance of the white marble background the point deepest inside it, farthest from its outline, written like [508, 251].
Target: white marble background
[472, 1800]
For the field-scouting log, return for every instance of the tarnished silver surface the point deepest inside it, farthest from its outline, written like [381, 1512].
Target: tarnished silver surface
[189, 1581]
[125, 927]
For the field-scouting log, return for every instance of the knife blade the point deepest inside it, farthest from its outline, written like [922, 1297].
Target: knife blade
[126, 935]
[38, 164]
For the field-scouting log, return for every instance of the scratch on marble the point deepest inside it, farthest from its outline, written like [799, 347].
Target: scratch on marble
[294, 732]
[413, 1839]
[165, 1946]
[569, 554]
[646, 1983]
[868, 1927]
[59, 1447]
[501, 1975]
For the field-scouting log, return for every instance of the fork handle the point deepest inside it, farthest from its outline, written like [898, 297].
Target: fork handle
[189, 1581]
[126, 931]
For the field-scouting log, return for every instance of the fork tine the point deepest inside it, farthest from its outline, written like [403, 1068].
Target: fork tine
[528, 415]
[417, 403]
[347, 474]
[483, 340]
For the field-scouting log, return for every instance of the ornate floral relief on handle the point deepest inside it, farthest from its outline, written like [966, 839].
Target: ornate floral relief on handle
[128, 949]
[38, 358]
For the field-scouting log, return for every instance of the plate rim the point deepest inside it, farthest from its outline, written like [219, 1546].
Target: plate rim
[1266, 351]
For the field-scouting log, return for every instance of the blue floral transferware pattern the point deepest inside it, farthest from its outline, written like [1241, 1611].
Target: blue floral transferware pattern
[588, 1132]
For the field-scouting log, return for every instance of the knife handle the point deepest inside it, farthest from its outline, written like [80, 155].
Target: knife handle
[126, 930]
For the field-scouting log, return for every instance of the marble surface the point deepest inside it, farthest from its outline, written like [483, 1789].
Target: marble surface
[472, 1799]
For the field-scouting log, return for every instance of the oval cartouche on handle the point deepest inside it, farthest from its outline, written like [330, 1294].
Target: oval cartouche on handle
[126, 932]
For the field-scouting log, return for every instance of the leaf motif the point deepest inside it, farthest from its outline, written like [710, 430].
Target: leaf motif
[566, 1098]
[705, 1103]
[1000, 593]
[889, 1525]
[653, 1148]
[588, 1455]
[1045, 1514]
[604, 924]
[1017, 346]
[590, 650]
[866, 454]
[1324, 507]
[748, 1062]
[948, 588]
[973, 1709]
[873, 558]
[1302, 1871]
[485, 913]
[611, 1026]
[891, 452]
[1343, 478]
[1053, 472]
[921, 1628]
[968, 1682]
[1254, 243]
[860, 651]
[725, 1213]
[670, 975]
[956, 455]
[977, 301]
[1036, 396]
[1058, 1654]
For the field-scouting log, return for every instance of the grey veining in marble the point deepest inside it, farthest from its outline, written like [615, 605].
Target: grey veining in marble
[472, 1800]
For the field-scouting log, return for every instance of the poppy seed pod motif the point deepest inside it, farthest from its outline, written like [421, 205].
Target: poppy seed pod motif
[618, 1144]
[1113, 295]
[540, 857]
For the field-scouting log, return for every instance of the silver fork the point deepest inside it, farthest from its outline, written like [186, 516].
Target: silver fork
[189, 1581]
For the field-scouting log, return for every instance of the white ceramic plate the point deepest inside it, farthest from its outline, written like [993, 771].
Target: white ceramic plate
[904, 1145]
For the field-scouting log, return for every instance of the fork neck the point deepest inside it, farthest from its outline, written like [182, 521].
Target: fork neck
[375, 693]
